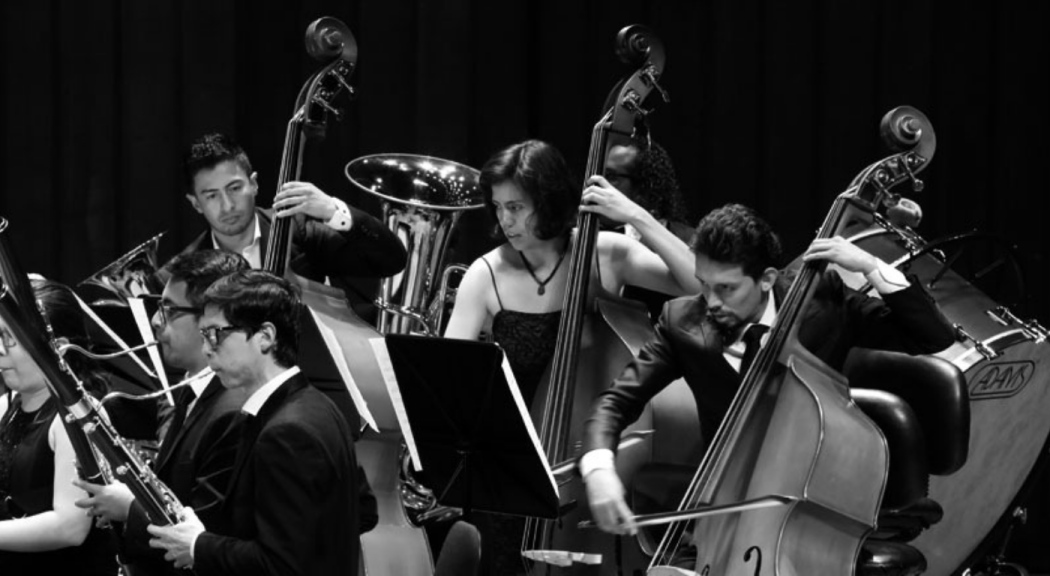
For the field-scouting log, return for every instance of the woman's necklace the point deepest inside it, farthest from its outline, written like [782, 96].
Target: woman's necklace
[542, 283]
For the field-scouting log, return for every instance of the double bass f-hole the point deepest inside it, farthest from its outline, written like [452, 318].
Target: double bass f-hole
[752, 551]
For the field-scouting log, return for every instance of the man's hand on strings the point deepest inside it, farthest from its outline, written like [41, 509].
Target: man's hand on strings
[842, 252]
[303, 198]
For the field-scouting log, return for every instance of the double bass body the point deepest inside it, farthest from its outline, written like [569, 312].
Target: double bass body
[792, 431]
[807, 441]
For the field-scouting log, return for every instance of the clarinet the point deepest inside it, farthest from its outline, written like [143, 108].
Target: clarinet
[102, 455]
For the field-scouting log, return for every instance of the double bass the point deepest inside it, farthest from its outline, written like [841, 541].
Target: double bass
[341, 341]
[794, 477]
[598, 335]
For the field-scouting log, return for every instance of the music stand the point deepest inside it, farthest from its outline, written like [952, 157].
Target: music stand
[476, 442]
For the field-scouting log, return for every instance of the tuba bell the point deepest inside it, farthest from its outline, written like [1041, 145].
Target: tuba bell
[133, 274]
[422, 199]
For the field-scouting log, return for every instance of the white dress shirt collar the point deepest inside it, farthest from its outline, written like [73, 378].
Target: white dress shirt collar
[259, 397]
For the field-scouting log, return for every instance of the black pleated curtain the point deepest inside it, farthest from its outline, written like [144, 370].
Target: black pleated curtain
[773, 104]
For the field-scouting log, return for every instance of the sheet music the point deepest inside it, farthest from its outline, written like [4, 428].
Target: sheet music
[138, 312]
[527, 419]
[336, 351]
[109, 332]
[386, 367]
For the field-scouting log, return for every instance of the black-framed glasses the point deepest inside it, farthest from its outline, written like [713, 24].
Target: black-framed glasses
[8, 341]
[214, 335]
[169, 311]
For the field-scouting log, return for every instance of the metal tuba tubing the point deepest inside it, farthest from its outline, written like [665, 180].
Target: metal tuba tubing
[131, 275]
[422, 199]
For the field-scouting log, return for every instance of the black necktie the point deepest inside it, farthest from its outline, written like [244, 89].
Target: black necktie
[182, 399]
[752, 344]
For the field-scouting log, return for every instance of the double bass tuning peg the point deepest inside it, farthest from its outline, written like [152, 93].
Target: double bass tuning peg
[650, 77]
[323, 103]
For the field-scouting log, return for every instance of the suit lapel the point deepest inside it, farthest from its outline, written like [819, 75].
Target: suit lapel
[175, 429]
[703, 333]
[253, 426]
[264, 234]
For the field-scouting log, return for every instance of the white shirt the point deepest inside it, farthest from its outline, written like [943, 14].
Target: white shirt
[259, 397]
[884, 278]
[340, 221]
[198, 387]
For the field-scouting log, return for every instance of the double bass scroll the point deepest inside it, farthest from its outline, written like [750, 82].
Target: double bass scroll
[393, 546]
[597, 335]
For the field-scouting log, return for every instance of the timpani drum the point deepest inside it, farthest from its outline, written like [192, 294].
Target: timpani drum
[1005, 360]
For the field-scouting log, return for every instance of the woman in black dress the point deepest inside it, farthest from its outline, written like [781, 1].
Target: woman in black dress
[41, 531]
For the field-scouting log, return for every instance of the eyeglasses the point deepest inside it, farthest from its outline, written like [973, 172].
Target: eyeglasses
[8, 341]
[169, 311]
[214, 335]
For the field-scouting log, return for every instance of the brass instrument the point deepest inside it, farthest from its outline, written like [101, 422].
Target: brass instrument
[423, 198]
[131, 275]
[102, 455]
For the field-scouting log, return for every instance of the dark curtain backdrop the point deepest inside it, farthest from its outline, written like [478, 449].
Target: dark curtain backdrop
[773, 104]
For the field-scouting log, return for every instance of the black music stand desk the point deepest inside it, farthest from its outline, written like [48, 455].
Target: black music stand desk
[475, 439]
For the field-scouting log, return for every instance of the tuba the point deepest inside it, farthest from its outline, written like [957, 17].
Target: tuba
[422, 199]
[131, 275]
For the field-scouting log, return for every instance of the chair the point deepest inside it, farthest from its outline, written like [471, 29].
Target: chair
[922, 406]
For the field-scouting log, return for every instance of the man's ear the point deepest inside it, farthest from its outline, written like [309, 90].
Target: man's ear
[195, 203]
[267, 334]
[768, 279]
[254, 180]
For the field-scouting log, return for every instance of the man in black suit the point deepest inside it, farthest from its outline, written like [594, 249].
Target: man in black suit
[702, 338]
[332, 241]
[291, 502]
[195, 471]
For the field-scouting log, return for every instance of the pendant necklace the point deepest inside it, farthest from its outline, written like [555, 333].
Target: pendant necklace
[542, 283]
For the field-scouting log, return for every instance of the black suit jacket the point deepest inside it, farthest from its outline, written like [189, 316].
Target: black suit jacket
[195, 462]
[368, 249]
[291, 504]
[686, 344]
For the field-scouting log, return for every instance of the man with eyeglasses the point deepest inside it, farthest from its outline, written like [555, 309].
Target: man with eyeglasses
[193, 464]
[332, 241]
[290, 506]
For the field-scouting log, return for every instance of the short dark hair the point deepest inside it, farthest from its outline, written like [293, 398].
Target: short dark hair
[201, 268]
[250, 298]
[67, 320]
[655, 182]
[540, 171]
[735, 234]
[209, 151]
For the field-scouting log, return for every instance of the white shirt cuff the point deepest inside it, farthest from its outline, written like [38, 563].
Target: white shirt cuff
[887, 279]
[341, 220]
[600, 459]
